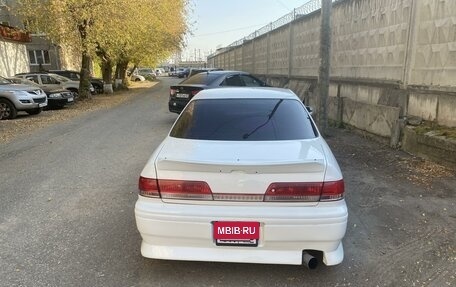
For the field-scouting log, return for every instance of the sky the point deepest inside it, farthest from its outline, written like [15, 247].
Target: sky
[218, 23]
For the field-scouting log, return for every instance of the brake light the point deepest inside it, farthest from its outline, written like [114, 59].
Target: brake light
[305, 191]
[184, 189]
[293, 191]
[333, 190]
[148, 187]
[172, 92]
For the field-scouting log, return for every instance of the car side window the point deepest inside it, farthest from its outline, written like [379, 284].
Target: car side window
[33, 78]
[250, 81]
[75, 76]
[234, 81]
[47, 80]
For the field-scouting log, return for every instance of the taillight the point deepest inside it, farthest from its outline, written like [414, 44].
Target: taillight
[184, 189]
[332, 190]
[148, 187]
[194, 92]
[172, 92]
[293, 191]
[305, 191]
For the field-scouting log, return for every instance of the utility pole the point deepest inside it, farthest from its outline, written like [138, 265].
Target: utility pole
[325, 57]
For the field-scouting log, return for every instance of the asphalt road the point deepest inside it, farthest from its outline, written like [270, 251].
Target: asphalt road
[67, 194]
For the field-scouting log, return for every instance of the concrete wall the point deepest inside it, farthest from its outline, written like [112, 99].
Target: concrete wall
[376, 119]
[370, 39]
[434, 44]
[429, 146]
[278, 51]
[396, 53]
[13, 58]
[306, 46]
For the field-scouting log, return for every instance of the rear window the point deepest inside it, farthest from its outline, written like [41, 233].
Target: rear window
[244, 120]
[201, 79]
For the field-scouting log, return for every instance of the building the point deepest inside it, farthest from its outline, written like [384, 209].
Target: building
[13, 50]
[40, 53]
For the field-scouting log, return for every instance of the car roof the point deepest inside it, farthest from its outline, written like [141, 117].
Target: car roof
[38, 73]
[246, 93]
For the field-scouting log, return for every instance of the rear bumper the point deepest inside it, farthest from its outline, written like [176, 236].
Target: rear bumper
[176, 106]
[184, 231]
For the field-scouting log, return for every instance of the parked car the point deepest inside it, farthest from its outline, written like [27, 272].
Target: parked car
[159, 71]
[147, 73]
[53, 81]
[137, 78]
[180, 95]
[97, 83]
[182, 72]
[243, 176]
[194, 71]
[57, 98]
[172, 72]
[17, 97]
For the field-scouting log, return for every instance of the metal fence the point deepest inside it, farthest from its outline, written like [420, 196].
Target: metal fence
[303, 10]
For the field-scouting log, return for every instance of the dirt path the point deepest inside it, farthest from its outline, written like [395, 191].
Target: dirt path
[402, 222]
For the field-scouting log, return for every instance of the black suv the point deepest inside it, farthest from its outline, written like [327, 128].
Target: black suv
[97, 83]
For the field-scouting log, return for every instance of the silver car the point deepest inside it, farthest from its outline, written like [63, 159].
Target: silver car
[17, 97]
[53, 81]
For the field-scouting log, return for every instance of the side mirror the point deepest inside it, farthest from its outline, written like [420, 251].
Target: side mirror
[309, 109]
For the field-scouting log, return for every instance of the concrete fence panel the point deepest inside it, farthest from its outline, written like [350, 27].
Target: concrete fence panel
[446, 112]
[306, 46]
[239, 60]
[261, 55]
[278, 51]
[248, 57]
[376, 119]
[370, 39]
[423, 106]
[434, 48]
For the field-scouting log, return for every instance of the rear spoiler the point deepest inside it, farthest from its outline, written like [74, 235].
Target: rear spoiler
[317, 165]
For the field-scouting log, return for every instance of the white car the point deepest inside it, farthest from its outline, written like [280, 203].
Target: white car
[53, 81]
[137, 78]
[243, 176]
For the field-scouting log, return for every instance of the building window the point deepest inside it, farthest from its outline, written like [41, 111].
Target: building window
[39, 57]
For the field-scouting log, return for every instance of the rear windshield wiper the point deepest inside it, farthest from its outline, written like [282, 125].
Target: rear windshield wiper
[247, 135]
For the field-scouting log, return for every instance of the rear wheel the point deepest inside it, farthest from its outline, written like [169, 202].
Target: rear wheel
[34, 111]
[7, 110]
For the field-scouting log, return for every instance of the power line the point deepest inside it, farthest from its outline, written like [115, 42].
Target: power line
[283, 5]
[232, 30]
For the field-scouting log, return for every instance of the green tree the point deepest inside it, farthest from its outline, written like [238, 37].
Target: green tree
[116, 31]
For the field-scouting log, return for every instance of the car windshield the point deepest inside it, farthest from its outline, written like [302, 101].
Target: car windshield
[244, 120]
[24, 82]
[60, 78]
[201, 79]
[4, 81]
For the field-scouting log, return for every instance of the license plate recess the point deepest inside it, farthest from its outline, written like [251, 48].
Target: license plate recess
[236, 233]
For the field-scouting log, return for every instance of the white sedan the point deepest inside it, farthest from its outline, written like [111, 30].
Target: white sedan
[243, 176]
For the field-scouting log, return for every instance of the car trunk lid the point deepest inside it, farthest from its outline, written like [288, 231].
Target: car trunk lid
[241, 168]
